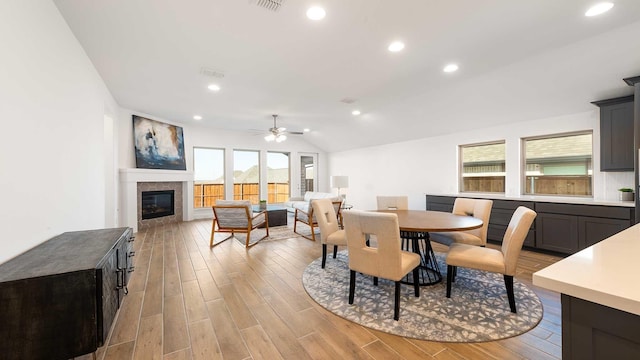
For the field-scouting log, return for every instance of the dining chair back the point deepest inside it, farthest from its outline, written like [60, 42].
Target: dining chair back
[387, 260]
[478, 208]
[330, 232]
[308, 217]
[393, 202]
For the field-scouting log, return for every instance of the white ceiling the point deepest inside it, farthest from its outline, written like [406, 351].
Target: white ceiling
[519, 60]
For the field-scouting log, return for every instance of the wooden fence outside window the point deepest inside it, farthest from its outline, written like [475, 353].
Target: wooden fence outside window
[205, 195]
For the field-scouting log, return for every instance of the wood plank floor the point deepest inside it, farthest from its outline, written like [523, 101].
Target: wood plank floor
[187, 301]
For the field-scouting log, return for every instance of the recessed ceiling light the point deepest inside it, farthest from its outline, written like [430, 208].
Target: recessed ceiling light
[306, 130]
[396, 46]
[316, 13]
[599, 8]
[197, 117]
[213, 87]
[450, 68]
[355, 112]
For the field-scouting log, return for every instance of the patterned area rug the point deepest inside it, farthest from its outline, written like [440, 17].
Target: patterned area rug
[477, 311]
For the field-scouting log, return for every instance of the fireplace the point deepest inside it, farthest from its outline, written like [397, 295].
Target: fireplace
[157, 204]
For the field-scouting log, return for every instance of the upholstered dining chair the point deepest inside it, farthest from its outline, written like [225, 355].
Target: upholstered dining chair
[393, 202]
[503, 261]
[478, 208]
[330, 232]
[236, 216]
[386, 260]
[308, 218]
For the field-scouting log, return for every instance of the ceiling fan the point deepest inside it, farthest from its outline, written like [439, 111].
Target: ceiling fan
[279, 133]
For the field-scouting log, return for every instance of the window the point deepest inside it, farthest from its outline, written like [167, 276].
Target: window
[483, 167]
[246, 175]
[208, 174]
[558, 165]
[277, 177]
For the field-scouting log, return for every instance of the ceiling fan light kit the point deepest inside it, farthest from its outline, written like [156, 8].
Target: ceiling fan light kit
[278, 133]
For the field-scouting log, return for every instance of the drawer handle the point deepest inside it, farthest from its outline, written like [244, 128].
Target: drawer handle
[131, 253]
[119, 280]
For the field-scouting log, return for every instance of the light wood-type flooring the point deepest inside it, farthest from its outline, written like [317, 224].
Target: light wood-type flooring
[187, 301]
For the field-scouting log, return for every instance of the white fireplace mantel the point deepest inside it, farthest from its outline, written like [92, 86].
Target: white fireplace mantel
[129, 179]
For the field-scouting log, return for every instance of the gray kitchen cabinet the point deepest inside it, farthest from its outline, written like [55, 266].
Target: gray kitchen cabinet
[616, 134]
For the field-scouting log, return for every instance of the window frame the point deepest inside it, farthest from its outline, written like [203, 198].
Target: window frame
[523, 162]
[224, 172]
[461, 166]
[288, 154]
[259, 164]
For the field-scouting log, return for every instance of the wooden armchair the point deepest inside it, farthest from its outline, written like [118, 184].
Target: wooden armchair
[308, 218]
[236, 216]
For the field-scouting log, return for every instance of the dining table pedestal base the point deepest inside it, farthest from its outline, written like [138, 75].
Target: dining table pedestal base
[419, 243]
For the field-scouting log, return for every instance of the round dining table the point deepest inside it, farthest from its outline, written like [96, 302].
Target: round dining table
[415, 226]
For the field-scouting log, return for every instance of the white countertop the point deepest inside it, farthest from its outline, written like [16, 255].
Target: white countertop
[607, 273]
[541, 198]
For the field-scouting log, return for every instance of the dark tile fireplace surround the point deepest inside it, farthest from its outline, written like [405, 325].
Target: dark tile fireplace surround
[155, 203]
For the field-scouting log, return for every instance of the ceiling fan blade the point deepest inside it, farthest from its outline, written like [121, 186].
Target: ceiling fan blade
[295, 132]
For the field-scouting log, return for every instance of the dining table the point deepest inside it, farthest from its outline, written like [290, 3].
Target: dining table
[415, 226]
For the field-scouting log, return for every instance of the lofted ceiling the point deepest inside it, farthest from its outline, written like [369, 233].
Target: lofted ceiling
[519, 60]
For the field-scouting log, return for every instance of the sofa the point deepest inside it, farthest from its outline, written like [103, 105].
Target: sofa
[304, 202]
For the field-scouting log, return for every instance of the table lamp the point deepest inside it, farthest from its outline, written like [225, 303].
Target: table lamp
[340, 181]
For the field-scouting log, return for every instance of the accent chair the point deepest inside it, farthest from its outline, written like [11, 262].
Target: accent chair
[236, 216]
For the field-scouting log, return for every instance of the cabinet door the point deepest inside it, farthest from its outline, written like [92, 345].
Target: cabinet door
[616, 137]
[592, 230]
[557, 232]
[107, 279]
[440, 203]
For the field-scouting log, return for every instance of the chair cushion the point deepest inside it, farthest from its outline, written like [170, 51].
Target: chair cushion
[259, 219]
[233, 218]
[337, 238]
[475, 257]
[409, 261]
[461, 237]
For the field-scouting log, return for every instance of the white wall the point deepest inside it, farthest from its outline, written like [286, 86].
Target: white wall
[202, 136]
[52, 109]
[430, 165]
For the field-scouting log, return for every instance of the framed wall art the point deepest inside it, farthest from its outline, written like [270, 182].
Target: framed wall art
[158, 145]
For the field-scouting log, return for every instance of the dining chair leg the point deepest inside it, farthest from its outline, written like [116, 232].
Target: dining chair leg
[455, 273]
[375, 280]
[324, 255]
[416, 282]
[450, 270]
[352, 285]
[396, 306]
[508, 282]
[335, 251]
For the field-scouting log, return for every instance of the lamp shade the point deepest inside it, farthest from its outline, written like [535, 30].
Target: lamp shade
[339, 181]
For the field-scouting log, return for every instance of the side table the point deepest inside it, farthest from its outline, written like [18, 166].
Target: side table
[277, 214]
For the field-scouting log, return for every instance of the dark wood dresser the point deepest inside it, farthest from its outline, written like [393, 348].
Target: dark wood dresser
[59, 299]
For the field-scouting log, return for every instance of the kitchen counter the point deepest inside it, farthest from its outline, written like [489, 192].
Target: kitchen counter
[600, 298]
[541, 198]
[605, 273]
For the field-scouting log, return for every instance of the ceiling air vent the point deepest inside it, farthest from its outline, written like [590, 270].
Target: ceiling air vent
[348, 100]
[211, 72]
[273, 5]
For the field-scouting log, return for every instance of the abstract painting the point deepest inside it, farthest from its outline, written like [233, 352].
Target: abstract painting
[158, 145]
